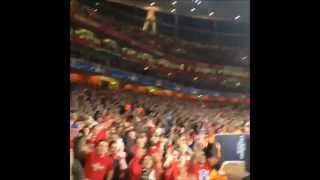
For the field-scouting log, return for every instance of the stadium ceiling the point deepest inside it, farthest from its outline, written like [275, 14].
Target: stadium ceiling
[225, 10]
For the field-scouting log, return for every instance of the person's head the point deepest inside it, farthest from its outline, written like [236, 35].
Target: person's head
[102, 147]
[84, 131]
[201, 158]
[140, 153]
[147, 162]
[141, 140]
[112, 147]
[114, 136]
[181, 141]
[132, 134]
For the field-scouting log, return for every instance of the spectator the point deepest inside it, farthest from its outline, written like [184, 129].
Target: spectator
[138, 146]
[98, 162]
[151, 18]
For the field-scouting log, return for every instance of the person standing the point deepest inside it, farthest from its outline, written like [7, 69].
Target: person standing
[98, 161]
[151, 18]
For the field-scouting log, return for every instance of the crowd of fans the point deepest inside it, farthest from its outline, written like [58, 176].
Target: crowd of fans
[126, 136]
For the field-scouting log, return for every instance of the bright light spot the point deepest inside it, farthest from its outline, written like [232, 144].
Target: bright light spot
[237, 17]
[195, 78]
[193, 9]
[169, 74]
[244, 58]
[152, 4]
[96, 10]
[174, 3]
[196, 1]
[97, 3]
[152, 90]
[199, 3]
[146, 68]
[238, 84]
[173, 10]
[210, 14]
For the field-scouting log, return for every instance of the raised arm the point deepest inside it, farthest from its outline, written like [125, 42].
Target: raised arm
[84, 146]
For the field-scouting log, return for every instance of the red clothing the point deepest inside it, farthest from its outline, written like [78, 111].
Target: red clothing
[158, 170]
[170, 149]
[135, 169]
[201, 171]
[97, 167]
[98, 137]
[172, 172]
[155, 148]
[71, 144]
[134, 149]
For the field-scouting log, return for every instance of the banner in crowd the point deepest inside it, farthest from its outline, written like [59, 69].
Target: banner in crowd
[233, 147]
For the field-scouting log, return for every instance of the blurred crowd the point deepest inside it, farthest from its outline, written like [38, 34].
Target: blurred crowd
[125, 136]
[170, 45]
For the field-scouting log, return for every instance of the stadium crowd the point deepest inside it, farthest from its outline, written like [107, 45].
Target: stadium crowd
[126, 136]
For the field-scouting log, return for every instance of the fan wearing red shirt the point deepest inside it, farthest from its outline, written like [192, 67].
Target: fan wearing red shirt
[171, 165]
[135, 166]
[140, 144]
[100, 132]
[201, 169]
[98, 162]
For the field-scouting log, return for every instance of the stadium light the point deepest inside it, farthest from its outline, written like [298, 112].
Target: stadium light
[173, 10]
[193, 9]
[237, 17]
[210, 14]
